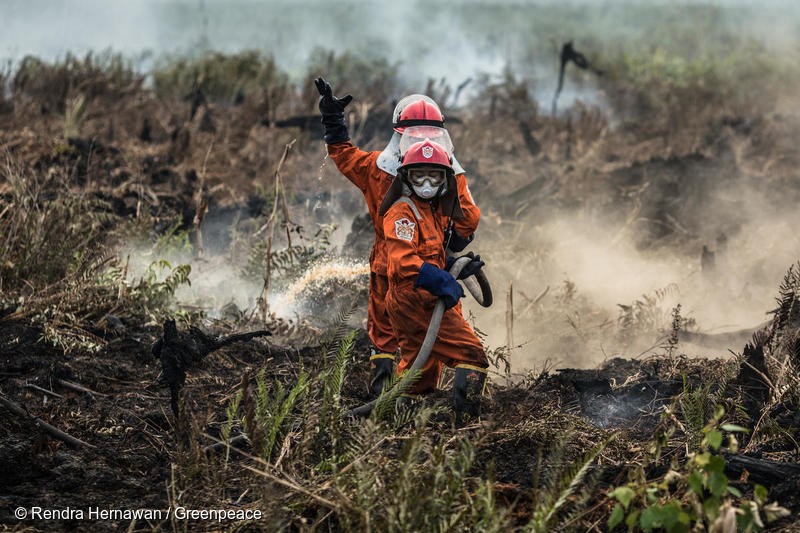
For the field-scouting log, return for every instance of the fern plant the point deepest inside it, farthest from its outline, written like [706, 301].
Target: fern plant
[644, 315]
[784, 342]
[267, 411]
[331, 420]
[230, 418]
[289, 263]
[153, 294]
[558, 488]
[695, 409]
[386, 405]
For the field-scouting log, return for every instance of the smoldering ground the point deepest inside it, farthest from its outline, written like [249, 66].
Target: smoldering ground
[574, 272]
[578, 274]
[572, 284]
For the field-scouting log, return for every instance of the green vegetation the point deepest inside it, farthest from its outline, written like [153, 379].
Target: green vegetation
[52, 85]
[374, 79]
[696, 493]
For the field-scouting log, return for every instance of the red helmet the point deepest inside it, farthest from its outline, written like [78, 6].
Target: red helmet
[426, 153]
[419, 113]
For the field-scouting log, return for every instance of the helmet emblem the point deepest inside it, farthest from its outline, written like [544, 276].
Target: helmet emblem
[427, 152]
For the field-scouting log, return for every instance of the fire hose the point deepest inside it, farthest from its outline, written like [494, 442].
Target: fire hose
[477, 285]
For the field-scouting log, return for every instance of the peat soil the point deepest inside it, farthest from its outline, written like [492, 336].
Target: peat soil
[114, 403]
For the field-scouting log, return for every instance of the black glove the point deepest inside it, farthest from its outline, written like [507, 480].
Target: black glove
[455, 242]
[332, 110]
[470, 269]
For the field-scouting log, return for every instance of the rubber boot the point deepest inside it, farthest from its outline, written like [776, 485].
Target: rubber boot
[468, 386]
[382, 371]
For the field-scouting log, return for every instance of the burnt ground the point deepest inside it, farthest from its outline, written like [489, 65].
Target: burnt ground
[112, 401]
[122, 413]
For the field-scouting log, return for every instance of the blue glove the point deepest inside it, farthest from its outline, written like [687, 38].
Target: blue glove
[332, 110]
[439, 283]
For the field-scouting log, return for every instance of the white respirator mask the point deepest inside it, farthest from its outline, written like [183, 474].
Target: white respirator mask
[427, 184]
[426, 191]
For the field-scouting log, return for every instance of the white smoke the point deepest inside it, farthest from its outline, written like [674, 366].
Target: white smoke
[451, 39]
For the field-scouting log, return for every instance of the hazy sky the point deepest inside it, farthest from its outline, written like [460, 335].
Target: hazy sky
[446, 38]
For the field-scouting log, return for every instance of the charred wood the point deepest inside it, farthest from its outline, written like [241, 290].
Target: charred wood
[181, 351]
[720, 341]
[752, 381]
[761, 471]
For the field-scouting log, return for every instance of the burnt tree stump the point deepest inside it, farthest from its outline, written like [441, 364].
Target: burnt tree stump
[180, 351]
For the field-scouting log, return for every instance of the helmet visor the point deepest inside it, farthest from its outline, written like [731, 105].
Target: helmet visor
[415, 134]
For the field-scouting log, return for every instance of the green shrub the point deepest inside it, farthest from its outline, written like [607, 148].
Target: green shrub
[694, 493]
[370, 79]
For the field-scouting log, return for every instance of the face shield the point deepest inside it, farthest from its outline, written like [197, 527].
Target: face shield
[415, 134]
[389, 157]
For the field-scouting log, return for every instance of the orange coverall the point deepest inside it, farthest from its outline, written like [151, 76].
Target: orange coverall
[361, 168]
[413, 236]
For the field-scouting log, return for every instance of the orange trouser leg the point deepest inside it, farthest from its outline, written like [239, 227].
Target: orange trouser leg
[379, 327]
[429, 375]
[410, 311]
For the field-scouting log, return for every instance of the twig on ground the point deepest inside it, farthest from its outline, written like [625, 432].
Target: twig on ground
[221, 445]
[78, 387]
[40, 389]
[44, 426]
[290, 484]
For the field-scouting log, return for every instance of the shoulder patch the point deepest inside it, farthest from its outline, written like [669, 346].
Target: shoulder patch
[404, 229]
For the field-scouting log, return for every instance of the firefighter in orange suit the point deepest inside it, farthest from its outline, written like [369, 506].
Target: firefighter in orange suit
[412, 225]
[373, 173]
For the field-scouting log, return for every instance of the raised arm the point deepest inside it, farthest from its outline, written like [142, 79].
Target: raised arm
[350, 160]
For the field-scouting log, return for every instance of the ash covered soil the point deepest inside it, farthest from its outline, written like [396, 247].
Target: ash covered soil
[124, 415]
[113, 402]
[77, 355]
